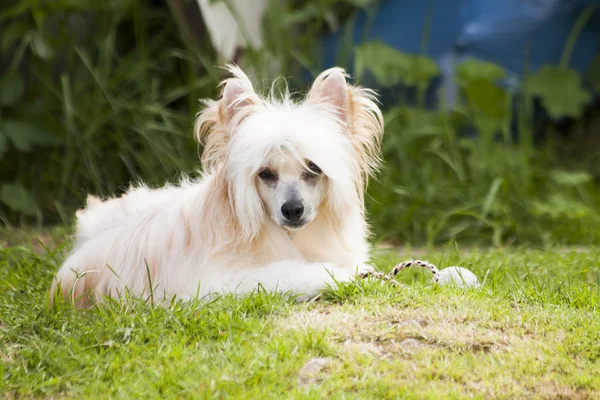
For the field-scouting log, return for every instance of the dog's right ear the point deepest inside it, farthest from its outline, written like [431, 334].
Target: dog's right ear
[217, 122]
[238, 95]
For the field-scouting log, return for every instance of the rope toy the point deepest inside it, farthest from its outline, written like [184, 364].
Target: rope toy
[458, 276]
[404, 265]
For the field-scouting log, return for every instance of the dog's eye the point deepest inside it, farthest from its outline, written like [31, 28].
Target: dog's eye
[267, 175]
[314, 168]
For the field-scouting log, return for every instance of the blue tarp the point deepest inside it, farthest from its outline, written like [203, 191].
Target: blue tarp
[516, 34]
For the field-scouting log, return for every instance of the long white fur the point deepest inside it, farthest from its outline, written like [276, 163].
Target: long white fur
[212, 235]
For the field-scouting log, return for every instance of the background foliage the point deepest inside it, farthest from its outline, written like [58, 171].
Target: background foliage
[94, 95]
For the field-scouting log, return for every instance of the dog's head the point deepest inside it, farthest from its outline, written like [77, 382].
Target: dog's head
[287, 160]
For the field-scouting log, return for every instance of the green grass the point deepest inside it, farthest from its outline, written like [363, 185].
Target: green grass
[532, 331]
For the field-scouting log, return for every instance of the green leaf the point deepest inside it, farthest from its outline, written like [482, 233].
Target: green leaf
[560, 91]
[487, 100]
[475, 70]
[41, 47]
[557, 206]
[24, 135]
[490, 198]
[488, 105]
[422, 70]
[18, 199]
[571, 178]
[11, 89]
[390, 66]
[380, 60]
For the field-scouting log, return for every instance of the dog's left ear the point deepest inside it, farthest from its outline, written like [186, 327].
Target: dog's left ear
[330, 87]
[357, 110]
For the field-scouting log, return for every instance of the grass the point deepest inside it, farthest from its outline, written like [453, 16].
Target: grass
[532, 331]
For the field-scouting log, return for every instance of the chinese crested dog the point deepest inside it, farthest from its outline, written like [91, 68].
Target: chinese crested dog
[280, 204]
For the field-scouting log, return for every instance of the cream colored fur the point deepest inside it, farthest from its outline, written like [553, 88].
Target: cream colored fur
[213, 235]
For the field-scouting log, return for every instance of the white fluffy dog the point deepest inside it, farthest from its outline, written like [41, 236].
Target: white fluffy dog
[280, 205]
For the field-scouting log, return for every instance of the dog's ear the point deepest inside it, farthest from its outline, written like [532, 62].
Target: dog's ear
[357, 110]
[216, 123]
[238, 95]
[330, 87]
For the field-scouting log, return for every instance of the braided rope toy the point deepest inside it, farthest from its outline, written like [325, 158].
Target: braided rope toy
[400, 267]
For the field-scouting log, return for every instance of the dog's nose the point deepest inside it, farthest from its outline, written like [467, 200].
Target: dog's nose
[292, 210]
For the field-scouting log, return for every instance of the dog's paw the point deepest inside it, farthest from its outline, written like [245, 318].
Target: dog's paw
[328, 276]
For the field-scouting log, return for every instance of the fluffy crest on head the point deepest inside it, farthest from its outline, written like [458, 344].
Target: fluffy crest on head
[355, 107]
[338, 126]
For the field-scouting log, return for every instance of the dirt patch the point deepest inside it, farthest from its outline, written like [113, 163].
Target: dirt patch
[543, 388]
[6, 358]
[393, 331]
[314, 372]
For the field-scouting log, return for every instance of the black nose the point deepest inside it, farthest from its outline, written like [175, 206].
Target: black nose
[292, 210]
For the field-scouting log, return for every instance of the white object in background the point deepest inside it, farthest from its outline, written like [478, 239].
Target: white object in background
[225, 32]
[458, 276]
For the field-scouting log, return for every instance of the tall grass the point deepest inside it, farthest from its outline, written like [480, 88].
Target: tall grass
[437, 187]
[105, 94]
[117, 91]
[476, 170]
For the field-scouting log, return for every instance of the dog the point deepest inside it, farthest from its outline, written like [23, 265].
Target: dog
[279, 206]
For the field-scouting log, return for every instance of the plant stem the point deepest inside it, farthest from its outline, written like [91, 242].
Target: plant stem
[583, 19]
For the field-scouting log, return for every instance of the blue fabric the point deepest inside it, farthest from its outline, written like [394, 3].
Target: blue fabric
[516, 34]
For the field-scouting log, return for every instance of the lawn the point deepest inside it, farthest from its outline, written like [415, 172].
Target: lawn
[531, 331]
[510, 162]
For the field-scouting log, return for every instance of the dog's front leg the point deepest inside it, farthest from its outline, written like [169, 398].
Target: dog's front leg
[300, 279]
